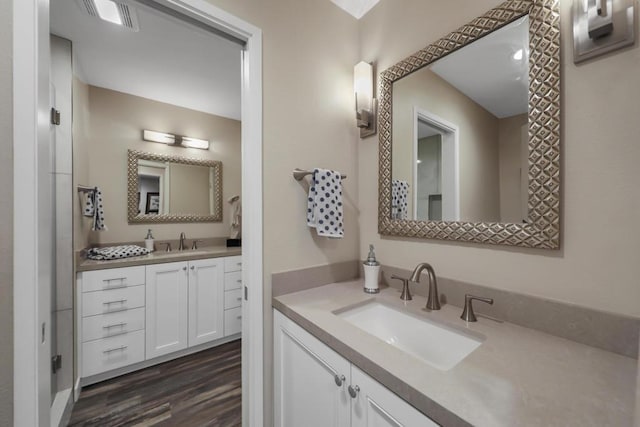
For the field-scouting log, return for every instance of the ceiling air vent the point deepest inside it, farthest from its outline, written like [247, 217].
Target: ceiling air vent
[111, 11]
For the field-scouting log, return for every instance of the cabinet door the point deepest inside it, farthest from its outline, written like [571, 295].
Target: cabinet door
[309, 390]
[206, 300]
[166, 308]
[375, 405]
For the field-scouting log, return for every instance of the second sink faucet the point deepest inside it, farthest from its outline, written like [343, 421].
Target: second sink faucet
[433, 301]
[181, 245]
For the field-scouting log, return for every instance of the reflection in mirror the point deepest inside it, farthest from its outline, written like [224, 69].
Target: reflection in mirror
[460, 133]
[163, 188]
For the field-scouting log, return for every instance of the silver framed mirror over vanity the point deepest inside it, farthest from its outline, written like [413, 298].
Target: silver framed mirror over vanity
[163, 188]
[469, 132]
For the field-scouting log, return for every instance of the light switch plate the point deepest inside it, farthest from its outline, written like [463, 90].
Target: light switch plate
[623, 34]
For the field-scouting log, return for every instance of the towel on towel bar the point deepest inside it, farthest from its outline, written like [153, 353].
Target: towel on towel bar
[93, 208]
[399, 195]
[324, 204]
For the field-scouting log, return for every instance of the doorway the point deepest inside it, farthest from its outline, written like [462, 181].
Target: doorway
[32, 298]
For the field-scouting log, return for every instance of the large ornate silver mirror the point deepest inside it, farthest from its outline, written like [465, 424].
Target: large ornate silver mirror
[469, 133]
[164, 188]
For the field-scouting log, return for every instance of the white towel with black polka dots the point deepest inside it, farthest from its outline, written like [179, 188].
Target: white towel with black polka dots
[116, 252]
[399, 195]
[94, 208]
[324, 204]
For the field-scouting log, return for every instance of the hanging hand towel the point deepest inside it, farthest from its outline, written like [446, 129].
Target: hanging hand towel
[399, 195]
[324, 205]
[93, 207]
[116, 252]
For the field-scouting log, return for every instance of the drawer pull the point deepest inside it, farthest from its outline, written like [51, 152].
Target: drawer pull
[122, 284]
[239, 317]
[115, 325]
[239, 299]
[239, 281]
[119, 301]
[239, 264]
[111, 350]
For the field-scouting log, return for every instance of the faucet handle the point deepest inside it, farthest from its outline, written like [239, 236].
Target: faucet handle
[406, 293]
[194, 245]
[467, 314]
[168, 249]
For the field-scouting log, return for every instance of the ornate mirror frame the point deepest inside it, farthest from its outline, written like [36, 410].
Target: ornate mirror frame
[543, 227]
[132, 189]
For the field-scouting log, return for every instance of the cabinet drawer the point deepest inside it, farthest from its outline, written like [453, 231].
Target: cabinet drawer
[112, 324]
[233, 321]
[232, 299]
[102, 302]
[112, 278]
[232, 280]
[110, 353]
[233, 263]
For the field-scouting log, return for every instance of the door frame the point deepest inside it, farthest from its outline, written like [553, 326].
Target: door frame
[31, 124]
[450, 161]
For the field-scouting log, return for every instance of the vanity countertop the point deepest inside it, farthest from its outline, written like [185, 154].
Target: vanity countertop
[158, 257]
[518, 376]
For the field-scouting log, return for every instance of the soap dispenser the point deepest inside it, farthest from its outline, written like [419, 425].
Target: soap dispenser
[148, 241]
[371, 272]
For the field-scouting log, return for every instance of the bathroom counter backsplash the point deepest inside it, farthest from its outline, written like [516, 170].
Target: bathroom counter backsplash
[156, 257]
[517, 376]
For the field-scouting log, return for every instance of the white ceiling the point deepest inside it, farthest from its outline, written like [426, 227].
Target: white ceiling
[487, 72]
[167, 60]
[356, 8]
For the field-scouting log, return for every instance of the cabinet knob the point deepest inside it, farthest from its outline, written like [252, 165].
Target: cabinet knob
[184, 268]
[193, 267]
[353, 391]
[339, 379]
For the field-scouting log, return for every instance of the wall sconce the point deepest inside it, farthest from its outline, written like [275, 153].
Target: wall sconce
[366, 107]
[601, 26]
[171, 139]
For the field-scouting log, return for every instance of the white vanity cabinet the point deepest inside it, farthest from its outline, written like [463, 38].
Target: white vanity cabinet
[313, 384]
[185, 303]
[167, 308]
[232, 295]
[111, 317]
[134, 315]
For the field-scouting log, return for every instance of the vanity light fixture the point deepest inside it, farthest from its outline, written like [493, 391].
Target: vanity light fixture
[365, 102]
[171, 139]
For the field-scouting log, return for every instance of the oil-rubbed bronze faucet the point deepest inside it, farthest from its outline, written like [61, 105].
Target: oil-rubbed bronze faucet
[433, 301]
[467, 314]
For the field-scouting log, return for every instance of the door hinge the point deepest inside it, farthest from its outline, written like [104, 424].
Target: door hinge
[55, 117]
[56, 363]
[246, 293]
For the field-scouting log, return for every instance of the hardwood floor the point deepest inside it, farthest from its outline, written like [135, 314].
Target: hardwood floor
[202, 389]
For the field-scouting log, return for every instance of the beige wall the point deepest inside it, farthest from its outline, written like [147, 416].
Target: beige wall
[196, 200]
[116, 121]
[598, 263]
[478, 140]
[510, 140]
[6, 216]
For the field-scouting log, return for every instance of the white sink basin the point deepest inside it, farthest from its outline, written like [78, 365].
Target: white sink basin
[438, 345]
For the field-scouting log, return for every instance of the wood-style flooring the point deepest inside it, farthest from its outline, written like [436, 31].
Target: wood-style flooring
[202, 389]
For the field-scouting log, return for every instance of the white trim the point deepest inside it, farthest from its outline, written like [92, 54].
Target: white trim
[26, 132]
[25, 73]
[450, 160]
[59, 406]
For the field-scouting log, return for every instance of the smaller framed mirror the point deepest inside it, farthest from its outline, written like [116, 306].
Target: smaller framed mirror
[171, 189]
